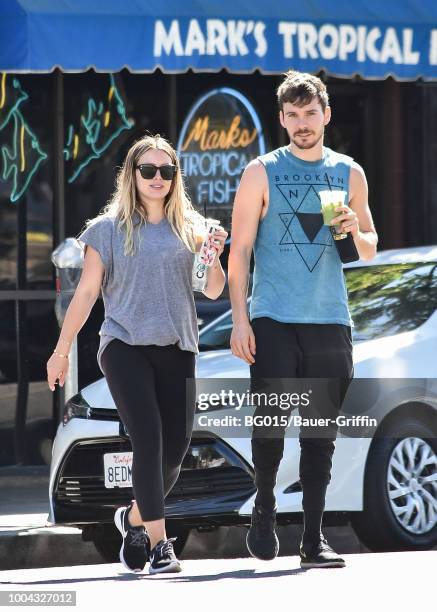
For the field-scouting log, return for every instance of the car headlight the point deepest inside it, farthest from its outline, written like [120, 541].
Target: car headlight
[76, 407]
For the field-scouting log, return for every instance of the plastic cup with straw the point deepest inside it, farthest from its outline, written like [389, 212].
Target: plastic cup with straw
[330, 200]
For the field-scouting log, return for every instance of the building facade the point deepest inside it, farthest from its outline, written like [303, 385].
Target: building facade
[64, 134]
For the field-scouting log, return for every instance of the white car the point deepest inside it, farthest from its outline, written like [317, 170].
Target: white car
[384, 483]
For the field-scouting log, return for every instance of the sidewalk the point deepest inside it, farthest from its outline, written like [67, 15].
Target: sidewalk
[26, 541]
[391, 581]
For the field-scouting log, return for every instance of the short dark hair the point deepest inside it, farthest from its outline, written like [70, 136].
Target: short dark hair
[301, 88]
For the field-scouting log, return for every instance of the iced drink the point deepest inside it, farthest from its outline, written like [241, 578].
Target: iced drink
[204, 258]
[330, 201]
[207, 253]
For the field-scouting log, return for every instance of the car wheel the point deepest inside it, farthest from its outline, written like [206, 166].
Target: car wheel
[108, 542]
[181, 533]
[400, 490]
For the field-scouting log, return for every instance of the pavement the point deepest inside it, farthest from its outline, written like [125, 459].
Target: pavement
[216, 568]
[395, 581]
[25, 538]
[27, 541]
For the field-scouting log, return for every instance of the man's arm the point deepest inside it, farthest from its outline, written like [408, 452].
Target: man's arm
[357, 218]
[246, 214]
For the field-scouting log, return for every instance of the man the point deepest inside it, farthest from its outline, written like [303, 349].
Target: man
[299, 324]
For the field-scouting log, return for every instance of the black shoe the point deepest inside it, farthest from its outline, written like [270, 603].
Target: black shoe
[163, 558]
[319, 554]
[261, 540]
[135, 550]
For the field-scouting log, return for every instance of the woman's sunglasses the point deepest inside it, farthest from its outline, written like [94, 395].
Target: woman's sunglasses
[148, 171]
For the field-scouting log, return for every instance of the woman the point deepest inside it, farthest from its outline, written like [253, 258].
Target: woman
[140, 251]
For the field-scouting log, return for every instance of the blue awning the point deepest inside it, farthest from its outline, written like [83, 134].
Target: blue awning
[371, 38]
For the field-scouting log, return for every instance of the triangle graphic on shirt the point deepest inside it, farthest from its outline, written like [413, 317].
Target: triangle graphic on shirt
[310, 254]
[287, 219]
[293, 195]
[310, 202]
[302, 198]
[304, 225]
[311, 224]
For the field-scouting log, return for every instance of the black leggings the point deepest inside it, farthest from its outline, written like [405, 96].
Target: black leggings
[298, 350]
[148, 386]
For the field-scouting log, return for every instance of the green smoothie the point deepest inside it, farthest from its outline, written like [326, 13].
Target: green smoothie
[331, 200]
[329, 212]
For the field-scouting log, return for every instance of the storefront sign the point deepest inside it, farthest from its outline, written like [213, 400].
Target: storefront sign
[275, 45]
[367, 37]
[220, 136]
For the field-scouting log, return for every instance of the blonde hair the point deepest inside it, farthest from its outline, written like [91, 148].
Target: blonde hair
[123, 203]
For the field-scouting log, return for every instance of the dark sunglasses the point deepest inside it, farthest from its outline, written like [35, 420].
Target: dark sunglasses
[148, 171]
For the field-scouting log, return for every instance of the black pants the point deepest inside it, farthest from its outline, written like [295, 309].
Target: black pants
[148, 385]
[299, 350]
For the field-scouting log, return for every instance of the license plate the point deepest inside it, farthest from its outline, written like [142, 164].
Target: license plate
[118, 469]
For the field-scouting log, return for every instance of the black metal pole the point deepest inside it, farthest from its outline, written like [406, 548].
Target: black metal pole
[20, 446]
[172, 108]
[59, 221]
[58, 166]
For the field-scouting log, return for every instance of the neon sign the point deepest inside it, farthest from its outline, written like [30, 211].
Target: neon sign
[20, 158]
[220, 136]
[101, 124]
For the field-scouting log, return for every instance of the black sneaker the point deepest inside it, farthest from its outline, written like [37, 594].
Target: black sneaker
[135, 550]
[163, 558]
[261, 540]
[319, 554]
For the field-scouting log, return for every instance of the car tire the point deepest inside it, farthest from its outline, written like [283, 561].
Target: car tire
[108, 542]
[377, 526]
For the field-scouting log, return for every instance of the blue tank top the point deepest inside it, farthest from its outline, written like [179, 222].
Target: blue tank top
[298, 275]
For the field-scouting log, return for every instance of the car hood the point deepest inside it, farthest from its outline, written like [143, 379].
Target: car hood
[406, 355]
[221, 364]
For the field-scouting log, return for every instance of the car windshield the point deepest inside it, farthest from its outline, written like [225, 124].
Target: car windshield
[383, 301]
[388, 300]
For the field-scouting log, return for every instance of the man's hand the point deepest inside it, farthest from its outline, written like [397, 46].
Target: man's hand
[348, 220]
[243, 342]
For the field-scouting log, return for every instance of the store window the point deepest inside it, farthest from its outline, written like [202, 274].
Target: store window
[26, 176]
[8, 241]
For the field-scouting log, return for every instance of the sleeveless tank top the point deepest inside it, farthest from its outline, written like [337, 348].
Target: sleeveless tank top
[298, 275]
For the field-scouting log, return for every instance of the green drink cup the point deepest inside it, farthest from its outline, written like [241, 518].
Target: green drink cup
[331, 200]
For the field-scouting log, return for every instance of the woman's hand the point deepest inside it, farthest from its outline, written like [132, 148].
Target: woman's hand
[57, 368]
[217, 241]
[216, 275]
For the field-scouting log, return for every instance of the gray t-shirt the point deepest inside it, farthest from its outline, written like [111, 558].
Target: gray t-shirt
[148, 297]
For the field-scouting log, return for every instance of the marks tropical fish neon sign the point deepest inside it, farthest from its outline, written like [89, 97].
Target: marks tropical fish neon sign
[233, 137]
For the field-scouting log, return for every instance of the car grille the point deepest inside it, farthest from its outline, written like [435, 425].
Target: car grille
[80, 493]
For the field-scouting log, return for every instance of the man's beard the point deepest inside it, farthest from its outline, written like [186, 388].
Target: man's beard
[310, 142]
